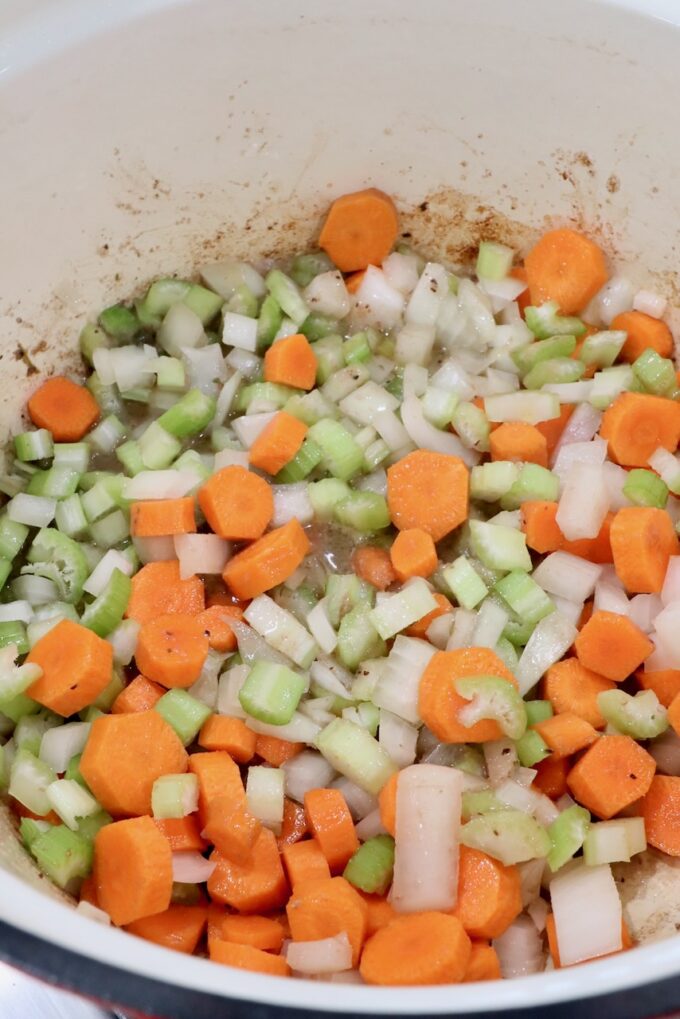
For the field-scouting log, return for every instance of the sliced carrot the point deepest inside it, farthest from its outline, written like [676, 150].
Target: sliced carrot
[277, 443]
[421, 626]
[661, 811]
[141, 694]
[674, 714]
[626, 940]
[158, 591]
[387, 802]
[489, 894]
[276, 751]
[572, 688]
[215, 624]
[420, 949]
[261, 932]
[220, 732]
[217, 593]
[483, 965]
[539, 520]
[171, 650]
[515, 440]
[88, 892]
[644, 333]
[76, 667]
[179, 927]
[636, 424]
[325, 907]
[439, 703]
[613, 773]
[268, 561]
[22, 811]
[156, 517]
[304, 861]
[360, 229]
[567, 267]
[218, 775]
[291, 361]
[123, 757]
[380, 913]
[612, 645]
[331, 824]
[294, 825]
[586, 613]
[354, 281]
[429, 491]
[247, 957]
[183, 833]
[373, 564]
[257, 886]
[643, 540]
[552, 429]
[64, 408]
[237, 503]
[132, 870]
[551, 776]
[566, 733]
[413, 554]
[664, 682]
[232, 829]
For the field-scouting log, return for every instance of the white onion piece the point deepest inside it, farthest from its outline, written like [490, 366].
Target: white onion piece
[191, 868]
[300, 729]
[101, 574]
[327, 294]
[170, 484]
[530, 406]
[426, 839]
[287, 328]
[360, 802]
[610, 598]
[670, 591]
[615, 297]
[579, 516]
[552, 637]
[662, 657]
[239, 331]
[464, 623]
[325, 674]
[252, 646]
[244, 363]
[398, 738]
[524, 776]
[155, 550]
[206, 368]
[492, 619]
[426, 436]
[376, 482]
[570, 392]
[181, 328]
[123, 640]
[103, 365]
[502, 292]
[201, 553]
[414, 344]
[401, 271]
[615, 478]
[291, 502]
[60, 744]
[665, 750]
[227, 394]
[667, 626]
[531, 876]
[380, 368]
[391, 430]
[328, 955]
[16, 611]
[512, 794]
[439, 630]
[307, 770]
[476, 308]
[319, 625]
[454, 379]
[415, 380]
[231, 458]
[226, 277]
[228, 688]
[571, 610]
[582, 426]
[206, 687]
[397, 687]
[520, 949]
[365, 402]
[587, 912]
[376, 302]
[249, 426]
[650, 303]
[431, 289]
[567, 576]
[370, 826]
[591, 452]
[496, 382]
[134, 366]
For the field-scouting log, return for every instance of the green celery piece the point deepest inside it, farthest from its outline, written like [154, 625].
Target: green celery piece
[60, 559]
[531, 749]
[120, 323]
[325, 495]
[602, 349]
[567, 834]
[526, 358]
[545, 322]
[557, 370]
[645, 488]
[189, 416]
[357, 755]
[358, 639]
[344, 592]
[316, 326]
[184, 713]
[268, 322]
[493, 698]
[105, 613]
[305, 268]
[303, 463]
[538, 711]
[370, 867]
[481, 801]
[508, 835]
[655, 373]
[63, 855]
[363, 511]
[271, 693]
[533, 483]
[342, 457]
[524, 596]
[641, 716]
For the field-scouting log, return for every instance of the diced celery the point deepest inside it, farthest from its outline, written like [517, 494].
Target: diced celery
[184, 713]
[63, 855]
[397, 611]
[342, 457]
[465, 584]
[287, 295]
[170, 374]
[30, 830]
[281, 630]
[641, 716]
[490, 481]
[268, 392]
[113, 688]
[533, 483]
[567, 834]
[524, 596]
[70, 517]
[5, 570]
[31, 728]
[358, 639]
[500, 548]
[120, 323]
[311, 407]
[610, 383]
[73, 771]
[108, 434]
[494, 260]
[507, 653]
[363, 511]
[105, 613]
[174, 796]
[89, 826]
[526, 358]
[614, 841]
[157, 447]
[481, 801]
[303, 463]
[656, 373]
[370, 868]
[325, 495]
[91, 339]
[18, 707]
[316, 326]
[330, 357]
[545, 322]
[356, 349]
[56, 483]
[471, 424]
[271, 693]
[344, 592]
[538, 711]
[71, 801]
[438, 406]
[35, 445]
[192, 413]
[494, 698]
[556, 370]
[29, 779]
[14, 633]
[602, 349]
[356, 754]
[72, 454]
[645, 488]
[531, 748]
[343, 383]
[268, 322]
[111, 530]
[12, 537]
[242, 302]
[305, 267]
[508, 835]
[58, 558]
[106, 396]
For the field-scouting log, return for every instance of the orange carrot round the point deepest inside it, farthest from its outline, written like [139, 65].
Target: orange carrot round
[172, 650]
[489, 894]
[263, 932]
[516, 440]
[483, 965]
[218, 775]
[178, 927]
[551, 776]
[569, 686]
[331, 824]
[539, 521]
[380, 913]
[220, 732]
[249, 958]
[232, 829]
[373, 564]
[156, 517]
[636, 424]
[291, 361]
[429, 491]
[294, 824]
[268, 561]
[304, 861]
[387, 802]
[182, 833]
[420, 949]
[277, 443]
[421, 626]
[276, 751]
[215, 624]
[661, 811]
[64, 408]
[612, 645]
[76, 666]
[644, 333]
[237, 503]
[566, 733]
[567, 267]
[323, 908]
[413, 554]
[132, 870]
[439, 703]
[360, 229]
[157, 591]
[613, 773]
[257, 886]
[643, 539]
[664, 682]
[139, 695]
[123, 757]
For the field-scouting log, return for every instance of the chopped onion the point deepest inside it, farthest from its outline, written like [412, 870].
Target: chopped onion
[206, 687]
[16, 611]
[206, 368]
[181, 329]
[531, 876]
[226, 277]
[226, 395]
[592, 452]
[570, 392]
[249, 426]
[155, 550]
[610, 598]
[239, 331]
[512, 794]
[365, 402]
[567, 576]
[431, 289]
[439, 630]
[415, 380]
[587, 912]
[665, 750]
[452, 378]
[376, 482]
[360, 802]
[370, 826]
[124, 641]
[650, 303]
[390, 429]
[101, 574]
[170, 484]
[244, 363]
[520, 949]
[231, 458]
[60, 744]
[464, 623]
[492, 619]
[662, 657]
[502, 292]
[397, 687]
[571, 610]
[189, 868]
[252, 646]
[582, 426]
[300, 729]
[414, 344]
[615, 478]
[426, 839]
[615, 297]
[552, 637]
[319, 625]
[291, 502]
[328, 955]
[579, 517]
[667, 626]
[327, 294]
[401, 271]
[376, 302]
[426, 436]
[398, 738]
[307, 770]
[201, 553]
[670, 591]
[332, 676]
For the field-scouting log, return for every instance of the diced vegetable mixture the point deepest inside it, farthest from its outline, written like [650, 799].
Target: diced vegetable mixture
[340, 613]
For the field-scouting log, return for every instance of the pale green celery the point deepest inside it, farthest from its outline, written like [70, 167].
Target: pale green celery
[602, 349]
[358, 639]
[524, 596]
[544, 322]
[508, 835]
[531, 748]
[490, 481]
[12, 537]
[498, 547]
[493, 698]
[105, 613]
[271, 693]
[268, 322]
[526, 358]
[342, 457]
[645, 488]
[287, 295]
[325, 495]
[533, 483]
[655, 373]
[370, 867]
[482, 801]
[556, 370]
[36, 445]
[641, 716]
[494, 260]
[356, 754]
[567, 834]
[538, 711]
[184, 713]
[120, 323]
[464, 583]
[471, 424]
[363, 511]
[192, 413]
